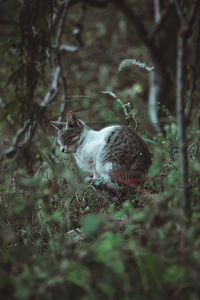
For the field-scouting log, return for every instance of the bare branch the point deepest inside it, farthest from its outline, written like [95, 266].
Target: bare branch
[63, 107]
[64, 95]
[61, 23]
[193, 12]
[179, 10]
[59, 8]
[161, 20]
[181, 126]
[187, 22]
[154, 80]
[56, 16]
[157, 11]
[27, 130]
[68, 48]
[185, 32]
[20, 133]
[9, 152]
[194, 69]
[61, 113]
[52, 93]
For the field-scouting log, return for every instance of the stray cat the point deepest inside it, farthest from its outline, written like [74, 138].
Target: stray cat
[114, 154]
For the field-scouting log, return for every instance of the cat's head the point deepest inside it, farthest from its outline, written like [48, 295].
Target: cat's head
[69, 133]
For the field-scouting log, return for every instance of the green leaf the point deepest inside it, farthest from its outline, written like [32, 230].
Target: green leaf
[106, 288]
[152, 270]
[45, 156]
[51, 139]
[175, 274]
[78, 275]
[8, 109]
[98, 181]
[146, 139]
[91, 223]
[139, 216]
[4, 188]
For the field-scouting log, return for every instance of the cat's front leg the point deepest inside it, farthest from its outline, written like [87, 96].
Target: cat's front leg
[93, 176]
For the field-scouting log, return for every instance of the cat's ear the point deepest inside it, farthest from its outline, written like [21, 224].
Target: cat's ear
[58, 125]
[72, 120]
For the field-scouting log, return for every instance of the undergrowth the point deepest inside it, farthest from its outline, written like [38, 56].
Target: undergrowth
[61, 239]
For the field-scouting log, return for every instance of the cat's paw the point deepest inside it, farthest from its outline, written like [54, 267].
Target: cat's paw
[89, 179]
[95, 182]
[98, 181]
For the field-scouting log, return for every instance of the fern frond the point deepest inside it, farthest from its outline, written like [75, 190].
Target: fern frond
[129, 62]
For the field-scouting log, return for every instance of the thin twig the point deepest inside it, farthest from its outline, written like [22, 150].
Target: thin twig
[56, 16]
[181, 126]
[161, 20]
[194, 69]
[184, 33]
[179, 10]
[68, 48]
[52, 93]
[27, 130]
[157, 11]
[20, 133]
[60, 48]
[154, 80]
[64, 96]
[61, 23]
[193, 12]
[63, 106]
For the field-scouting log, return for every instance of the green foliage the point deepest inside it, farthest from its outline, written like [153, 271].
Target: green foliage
[91, 223]
[10, 108]
[132, 252]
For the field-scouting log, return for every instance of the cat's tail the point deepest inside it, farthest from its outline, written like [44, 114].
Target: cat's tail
[122, 177]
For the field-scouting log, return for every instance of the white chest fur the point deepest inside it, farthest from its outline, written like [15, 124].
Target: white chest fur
[88, 155]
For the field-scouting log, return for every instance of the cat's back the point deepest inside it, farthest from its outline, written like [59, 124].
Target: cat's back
[121, 136]
[125, 147]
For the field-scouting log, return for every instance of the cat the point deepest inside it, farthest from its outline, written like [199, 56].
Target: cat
[114, 155]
